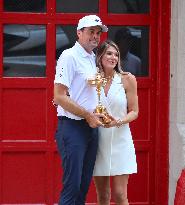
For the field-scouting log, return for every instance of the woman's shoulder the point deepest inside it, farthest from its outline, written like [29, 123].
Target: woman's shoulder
[129, 81]
[128, 77]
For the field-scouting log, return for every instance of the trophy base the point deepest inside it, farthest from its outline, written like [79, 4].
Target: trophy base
[102, 110]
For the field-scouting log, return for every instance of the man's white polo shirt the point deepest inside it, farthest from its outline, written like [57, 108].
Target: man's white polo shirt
[74, 67]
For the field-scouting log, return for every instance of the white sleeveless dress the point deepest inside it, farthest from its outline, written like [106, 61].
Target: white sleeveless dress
[116, 152]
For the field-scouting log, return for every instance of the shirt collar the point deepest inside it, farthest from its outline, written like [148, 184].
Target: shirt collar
[83, 52]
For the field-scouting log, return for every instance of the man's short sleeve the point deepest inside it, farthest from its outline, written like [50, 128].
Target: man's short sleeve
[65, 69]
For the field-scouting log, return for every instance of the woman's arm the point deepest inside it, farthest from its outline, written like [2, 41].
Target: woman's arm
[130, 85]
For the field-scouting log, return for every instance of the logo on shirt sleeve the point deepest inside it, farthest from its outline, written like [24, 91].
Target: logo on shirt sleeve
[61, 72]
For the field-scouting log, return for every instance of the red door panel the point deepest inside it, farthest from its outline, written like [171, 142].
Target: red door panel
[24, 120]
[27, 168]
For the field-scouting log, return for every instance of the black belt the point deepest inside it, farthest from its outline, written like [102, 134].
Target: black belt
[66, 118]
[63, 118]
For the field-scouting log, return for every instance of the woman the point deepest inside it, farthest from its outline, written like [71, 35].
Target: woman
[116, 152]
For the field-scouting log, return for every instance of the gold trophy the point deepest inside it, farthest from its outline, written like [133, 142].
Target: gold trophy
[99, 81]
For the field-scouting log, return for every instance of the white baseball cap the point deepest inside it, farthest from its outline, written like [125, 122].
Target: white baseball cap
[91, 20]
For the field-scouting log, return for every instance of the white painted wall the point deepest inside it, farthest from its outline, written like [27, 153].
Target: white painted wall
[177, 96]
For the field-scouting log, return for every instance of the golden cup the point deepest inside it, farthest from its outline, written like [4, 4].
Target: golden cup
[99, 81]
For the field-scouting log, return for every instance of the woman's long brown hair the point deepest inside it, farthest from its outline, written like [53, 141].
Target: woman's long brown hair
[101, 51]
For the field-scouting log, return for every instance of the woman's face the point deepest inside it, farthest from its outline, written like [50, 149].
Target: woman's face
[110, 58]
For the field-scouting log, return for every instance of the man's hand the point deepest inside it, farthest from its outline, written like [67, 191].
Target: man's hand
[94, 119]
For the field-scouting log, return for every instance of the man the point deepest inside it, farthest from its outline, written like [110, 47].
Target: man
[76, 134]
[130, 62]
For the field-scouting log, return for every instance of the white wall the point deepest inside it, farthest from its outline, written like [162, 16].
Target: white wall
[177, 96]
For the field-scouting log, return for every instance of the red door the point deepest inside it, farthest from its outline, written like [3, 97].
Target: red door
[32, 36]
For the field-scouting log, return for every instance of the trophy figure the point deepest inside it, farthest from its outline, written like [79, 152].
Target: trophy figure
[99, 82]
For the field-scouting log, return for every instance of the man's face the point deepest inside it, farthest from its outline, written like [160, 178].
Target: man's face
[89, 37]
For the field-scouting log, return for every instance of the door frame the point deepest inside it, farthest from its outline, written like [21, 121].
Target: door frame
[162, 107]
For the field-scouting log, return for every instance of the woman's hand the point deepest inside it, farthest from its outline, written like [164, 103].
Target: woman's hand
[114, 123]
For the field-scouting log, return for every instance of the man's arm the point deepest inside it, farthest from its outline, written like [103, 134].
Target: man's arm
[61, 98]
